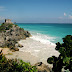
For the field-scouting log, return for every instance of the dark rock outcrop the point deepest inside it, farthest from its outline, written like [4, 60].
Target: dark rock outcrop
[10, 34]
[42, 67]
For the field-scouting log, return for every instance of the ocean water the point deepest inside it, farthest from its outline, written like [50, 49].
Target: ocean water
[47, 32]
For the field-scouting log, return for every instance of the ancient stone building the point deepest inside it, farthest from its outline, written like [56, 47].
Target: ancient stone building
[8, 21]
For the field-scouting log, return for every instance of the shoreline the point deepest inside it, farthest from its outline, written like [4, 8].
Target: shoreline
[34, 51]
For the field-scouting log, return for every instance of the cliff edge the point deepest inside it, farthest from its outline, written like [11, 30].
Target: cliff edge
[10, 34]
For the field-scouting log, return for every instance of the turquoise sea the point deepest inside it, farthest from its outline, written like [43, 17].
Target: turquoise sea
[53, 32]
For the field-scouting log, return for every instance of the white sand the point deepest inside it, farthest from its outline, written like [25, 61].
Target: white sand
[6, 51]
[34, 51]
[25, 56]
[36, 48]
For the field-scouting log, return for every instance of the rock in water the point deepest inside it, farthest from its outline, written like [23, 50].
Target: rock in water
[10, 34]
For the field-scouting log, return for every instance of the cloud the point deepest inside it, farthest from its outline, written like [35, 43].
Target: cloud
[2, 8]
[65, 17]
[60, 17]
[70, 16]
[65, 14]
[2, 18]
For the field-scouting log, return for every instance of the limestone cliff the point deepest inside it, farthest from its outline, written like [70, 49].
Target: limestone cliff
[10, 34]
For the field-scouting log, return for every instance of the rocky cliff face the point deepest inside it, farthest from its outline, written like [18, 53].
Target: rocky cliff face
[10, 34]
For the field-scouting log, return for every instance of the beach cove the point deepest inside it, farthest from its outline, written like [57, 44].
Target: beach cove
[34, 48]
[41, 45]
[34, 51]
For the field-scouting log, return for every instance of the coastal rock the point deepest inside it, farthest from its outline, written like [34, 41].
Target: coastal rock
[42, 67]
[16, 49]
[12, 50]
[18, 45]
[10, 34]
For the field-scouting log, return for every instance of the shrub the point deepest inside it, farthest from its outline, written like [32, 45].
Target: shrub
[21, 28]
[14, 65]
[10, 26]
[65, 57]
[16, 25]
[5, 27]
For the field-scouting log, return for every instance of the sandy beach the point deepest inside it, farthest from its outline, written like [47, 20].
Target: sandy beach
[34, 51]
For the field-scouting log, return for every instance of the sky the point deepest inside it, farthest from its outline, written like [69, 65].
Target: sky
[36, 11]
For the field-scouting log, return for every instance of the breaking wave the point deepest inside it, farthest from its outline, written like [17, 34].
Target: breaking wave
[45, 39]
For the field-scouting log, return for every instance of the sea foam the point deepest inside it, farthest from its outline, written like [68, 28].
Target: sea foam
[45, 39]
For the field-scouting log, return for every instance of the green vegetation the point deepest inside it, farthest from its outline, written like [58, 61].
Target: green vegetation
[65, 58]
[10, 25]
[12, 65]
[16, 25]
[21, 28]
[5, 27]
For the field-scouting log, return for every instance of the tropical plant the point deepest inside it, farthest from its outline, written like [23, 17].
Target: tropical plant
[65, 58]
[14, 65]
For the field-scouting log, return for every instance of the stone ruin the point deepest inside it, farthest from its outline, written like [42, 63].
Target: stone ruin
[8, 21]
